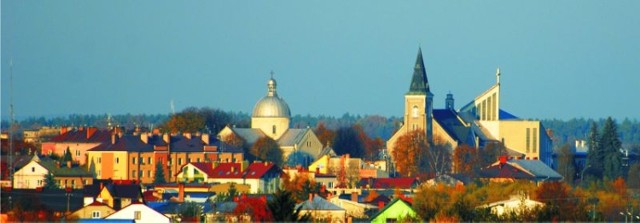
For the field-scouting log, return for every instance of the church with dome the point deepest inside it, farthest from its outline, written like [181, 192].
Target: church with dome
[478, 123]
[271, 117]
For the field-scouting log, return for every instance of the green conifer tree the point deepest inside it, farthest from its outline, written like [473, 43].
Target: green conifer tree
[595, 156]
[610, 145]
[159, 176]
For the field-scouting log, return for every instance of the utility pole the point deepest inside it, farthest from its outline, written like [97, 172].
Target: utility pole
[11, 117]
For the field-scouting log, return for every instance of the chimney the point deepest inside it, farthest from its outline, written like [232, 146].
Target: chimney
[58, 164]
[354, 196]
[165, 137]
[68, 164]
[113, 138]
[90, 131]
[310, 197]
[145, 138]
[232, 168]
[380, 205]
[180, 192]
[503, 159]
[205, 139]
[156, 131]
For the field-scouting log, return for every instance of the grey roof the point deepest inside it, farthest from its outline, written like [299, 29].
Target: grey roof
[291, 137]
[319, 203]
[419, 82]
[328, 151]
[537, 168]
[250, 136]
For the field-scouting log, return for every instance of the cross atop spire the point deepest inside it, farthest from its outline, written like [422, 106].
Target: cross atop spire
[498, 75]
[419, 82]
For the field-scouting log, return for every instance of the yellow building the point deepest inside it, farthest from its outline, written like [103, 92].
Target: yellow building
[480, 122]
[271, 118]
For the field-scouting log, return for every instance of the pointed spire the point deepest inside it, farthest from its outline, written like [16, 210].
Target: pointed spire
[419, 82]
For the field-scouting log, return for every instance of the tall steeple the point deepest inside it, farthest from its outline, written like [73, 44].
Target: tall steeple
[419, 82]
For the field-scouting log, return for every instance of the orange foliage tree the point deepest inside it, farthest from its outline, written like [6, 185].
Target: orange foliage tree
[465, 159]
[324, 135]
[267, 149]
[410, 153]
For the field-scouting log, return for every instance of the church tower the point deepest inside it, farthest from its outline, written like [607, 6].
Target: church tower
[271, 114]
[419, 100]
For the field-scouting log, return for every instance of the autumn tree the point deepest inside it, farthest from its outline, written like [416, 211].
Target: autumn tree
[234, 140]
[267, 149]
[193, 119]
[560, 202]
[373, 148]
[566, 164]
[324, 135]
[490, 153]
[465, 159]
[254, 207]
[410, 153]
[348, 141]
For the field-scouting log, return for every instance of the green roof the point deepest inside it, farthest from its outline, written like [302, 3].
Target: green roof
[63, 170]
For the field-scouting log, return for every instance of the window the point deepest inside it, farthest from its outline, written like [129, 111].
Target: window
[133, 160]
[117, 160]
[535, 140]
[33, 169]
[148, 173]
[133, 173]
[140, 173]
[137, 215]
[77, 152]
[274, 129]
[149, 159]
[99, 159]
[95, 214]
[188, 160]
[414, 111]
[179, 161]
[528, 140]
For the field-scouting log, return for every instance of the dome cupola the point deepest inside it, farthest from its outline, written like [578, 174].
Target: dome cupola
[271, 105]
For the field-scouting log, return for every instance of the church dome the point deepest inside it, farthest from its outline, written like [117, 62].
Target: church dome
[271, 105]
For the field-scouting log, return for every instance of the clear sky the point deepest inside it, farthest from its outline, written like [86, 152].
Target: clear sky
[559, 59]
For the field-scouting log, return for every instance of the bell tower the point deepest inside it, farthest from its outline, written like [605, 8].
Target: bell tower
[419, 100]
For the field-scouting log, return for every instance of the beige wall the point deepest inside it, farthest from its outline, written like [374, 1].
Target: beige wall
[87, 212]
[514, 134]
[30, 176]
[415, 122]
[109, 165]
[266, 124]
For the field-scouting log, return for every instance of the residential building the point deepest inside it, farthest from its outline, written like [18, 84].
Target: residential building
[322, 210]
[95, 210]
[78, 141]
[32, 174]
[514, 205]
[506, 170]
[394, 211]
[140, 213]
[261, 177]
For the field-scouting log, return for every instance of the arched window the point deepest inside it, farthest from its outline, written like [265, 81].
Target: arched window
[414, 111]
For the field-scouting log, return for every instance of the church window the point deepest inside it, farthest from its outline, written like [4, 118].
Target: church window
[496, 110]
[414, 111]
[535, 139]
[528, 139]
[490, 115]
[274, 129]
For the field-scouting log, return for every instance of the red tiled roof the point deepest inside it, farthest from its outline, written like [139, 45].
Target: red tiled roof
[257, 170]
[390, 183]
[204, 167]
[97, 203]
[98, 136]
[224, 171]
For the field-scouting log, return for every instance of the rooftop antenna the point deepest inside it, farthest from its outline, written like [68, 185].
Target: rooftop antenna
[11, 120]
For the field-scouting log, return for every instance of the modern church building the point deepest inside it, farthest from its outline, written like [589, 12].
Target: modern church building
[478, 123]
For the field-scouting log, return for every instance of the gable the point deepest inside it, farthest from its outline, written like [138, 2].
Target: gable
[32, 168]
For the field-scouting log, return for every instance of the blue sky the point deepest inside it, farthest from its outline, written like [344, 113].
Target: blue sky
[559, 59]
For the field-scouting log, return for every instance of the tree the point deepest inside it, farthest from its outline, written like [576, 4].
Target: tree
[566, 165]
[234, 140]
[439, 157]
[324, 135]
[283, 208]
[490, 153]
[255, 207]
[50, 181]
[189, 211]
[67, 155]
[348, 140]
[560, 203]
[633, 177]
[610, 145]
[465, 159]
[267, 149]
[373, 148]
[188, 120]
[410, 153]
[595, 155]
[159, 175]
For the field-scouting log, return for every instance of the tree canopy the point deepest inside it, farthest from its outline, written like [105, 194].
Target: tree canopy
[267, 149]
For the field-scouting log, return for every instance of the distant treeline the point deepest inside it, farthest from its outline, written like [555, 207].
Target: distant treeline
[373, 125]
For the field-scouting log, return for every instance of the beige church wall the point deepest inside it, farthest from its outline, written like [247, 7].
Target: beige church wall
[266, 125]
[514, 134]
[492, 127]
[420, 120]
[310, 144]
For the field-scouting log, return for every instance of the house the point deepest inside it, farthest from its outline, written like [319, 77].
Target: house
[32, 174]
[94, 210]
[396, 210]
[353, 208]
[78, 141]
[322, 210]
[512, 205]
[450, 180]
[116, 195]
[263, 177]
[140, 213]
[402, 183]
[506, 170]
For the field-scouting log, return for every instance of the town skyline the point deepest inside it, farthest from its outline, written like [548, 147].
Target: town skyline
[554, 64]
